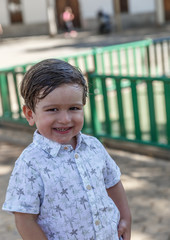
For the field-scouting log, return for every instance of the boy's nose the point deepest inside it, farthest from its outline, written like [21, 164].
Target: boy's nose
[64, 118]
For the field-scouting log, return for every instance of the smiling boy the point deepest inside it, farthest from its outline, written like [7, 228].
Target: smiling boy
[64, 185]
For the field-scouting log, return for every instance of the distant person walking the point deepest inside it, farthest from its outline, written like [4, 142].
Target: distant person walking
[1, 30]
[104, 23]
[68, 18]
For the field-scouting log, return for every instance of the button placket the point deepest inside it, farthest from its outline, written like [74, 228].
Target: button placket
[88, 187]
[76, 155]
[97, 222]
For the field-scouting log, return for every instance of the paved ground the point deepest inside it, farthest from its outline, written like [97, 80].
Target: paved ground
[15, 51]
[146, 179]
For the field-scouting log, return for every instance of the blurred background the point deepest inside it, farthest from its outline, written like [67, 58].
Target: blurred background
[23, 18]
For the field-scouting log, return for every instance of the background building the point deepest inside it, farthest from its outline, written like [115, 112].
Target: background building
[30, 17]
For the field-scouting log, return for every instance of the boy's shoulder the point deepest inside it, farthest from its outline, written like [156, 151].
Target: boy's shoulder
[30, 152]
[91, 140]
[33, 158]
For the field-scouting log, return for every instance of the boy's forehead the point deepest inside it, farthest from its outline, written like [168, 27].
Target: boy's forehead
[66, 89]
[63, 86]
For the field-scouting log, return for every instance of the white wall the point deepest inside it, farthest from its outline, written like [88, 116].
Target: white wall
[34, 11]
[4, 14]
[89, 8]
[141, 6]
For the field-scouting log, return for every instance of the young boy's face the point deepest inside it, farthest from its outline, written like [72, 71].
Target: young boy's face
[59, 116]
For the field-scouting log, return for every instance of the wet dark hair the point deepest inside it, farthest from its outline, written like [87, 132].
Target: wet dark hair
[45, 76]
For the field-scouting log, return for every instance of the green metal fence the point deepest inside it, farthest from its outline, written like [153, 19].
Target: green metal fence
[137, 60]
[139, 112]
[158, 57]
[106, 60]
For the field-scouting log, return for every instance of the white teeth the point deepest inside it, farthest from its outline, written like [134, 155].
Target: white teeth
[62, 129]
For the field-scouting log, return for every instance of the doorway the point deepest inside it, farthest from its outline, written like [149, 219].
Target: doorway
[15, 11]
[167, 9]
[123, 6]
[60, 6]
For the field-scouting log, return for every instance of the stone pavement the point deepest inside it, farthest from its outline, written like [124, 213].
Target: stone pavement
[146, 181]
[14, 51]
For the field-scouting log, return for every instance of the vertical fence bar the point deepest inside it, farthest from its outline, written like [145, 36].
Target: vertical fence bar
[168, 43]
[76, 61]
[142, 53]
[167, 107]
[135, 110]
[17, 94]
[156, 61]
[96, 126]
[120, 107]
[119, 62]
[65, 59]
[148, 60]
[103, 63]
[134, 59]
[162, 57]
[111, 62]
[127, 61]
[5, 96]
[106, 106]
[153, 127]
[95, 60]
[86, 63]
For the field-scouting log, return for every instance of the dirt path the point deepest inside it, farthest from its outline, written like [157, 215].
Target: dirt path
[146, 180]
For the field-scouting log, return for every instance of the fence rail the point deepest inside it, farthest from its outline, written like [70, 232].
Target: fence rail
[139, 112]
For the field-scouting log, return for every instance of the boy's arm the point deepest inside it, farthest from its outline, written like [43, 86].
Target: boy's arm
[117, 194]
[28, 227]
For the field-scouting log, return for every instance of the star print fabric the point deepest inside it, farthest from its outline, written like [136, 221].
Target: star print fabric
[66, 188]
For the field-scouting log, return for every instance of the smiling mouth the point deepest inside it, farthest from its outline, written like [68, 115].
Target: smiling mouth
[62, 129]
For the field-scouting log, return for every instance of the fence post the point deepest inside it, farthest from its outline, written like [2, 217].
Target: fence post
[5, 96]
[167, 107]
[135, 110]
[106, 107]
[153, 127]
[17, 94]
[148, 60]
[96, 127]
[120, 108]
[94, 52]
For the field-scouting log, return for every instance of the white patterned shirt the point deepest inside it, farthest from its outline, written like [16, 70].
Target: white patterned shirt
[66, 188]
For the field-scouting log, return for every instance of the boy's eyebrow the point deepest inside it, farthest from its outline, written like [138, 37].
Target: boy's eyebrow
[56, 105]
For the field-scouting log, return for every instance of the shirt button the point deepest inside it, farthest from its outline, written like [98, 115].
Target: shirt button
[88, 187]
[97, 222]
[76, 156]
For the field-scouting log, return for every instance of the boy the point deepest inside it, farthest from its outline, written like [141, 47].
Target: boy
[64, 185]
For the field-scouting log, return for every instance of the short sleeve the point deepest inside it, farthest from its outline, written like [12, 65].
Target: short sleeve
[111, 171]
[25, 189]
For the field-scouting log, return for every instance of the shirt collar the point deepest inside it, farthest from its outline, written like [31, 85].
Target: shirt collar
[52, 147]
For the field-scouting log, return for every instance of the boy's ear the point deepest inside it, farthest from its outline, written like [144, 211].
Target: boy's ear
[29, 115]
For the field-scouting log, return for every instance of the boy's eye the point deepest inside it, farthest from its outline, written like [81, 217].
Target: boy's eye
[74, 108]
[52, 110]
